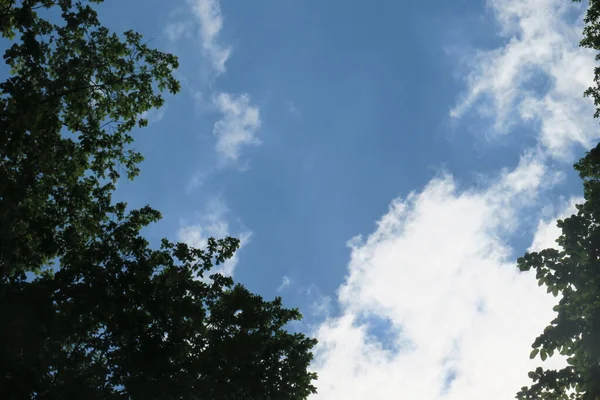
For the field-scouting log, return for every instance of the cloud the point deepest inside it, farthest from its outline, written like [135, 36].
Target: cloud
[321, 305]
[198, 179]
[238, 126]
[293, 110]
[537, 76]
[285, 282]
[437, 279]
[213, 223]
[208, 14]
[154, 115]
[547, 232]
[240, 120]
[433, 306]
[178, 30]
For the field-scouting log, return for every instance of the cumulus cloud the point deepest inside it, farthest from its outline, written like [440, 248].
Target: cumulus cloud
[213, 223]
[460, 317]
[238, 126]
[209, 17]
[539, 75]
[433, 306]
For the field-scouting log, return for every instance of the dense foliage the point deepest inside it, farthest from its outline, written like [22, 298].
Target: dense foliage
[87, 308]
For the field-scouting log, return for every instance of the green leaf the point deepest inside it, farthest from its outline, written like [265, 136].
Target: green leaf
[534, 353]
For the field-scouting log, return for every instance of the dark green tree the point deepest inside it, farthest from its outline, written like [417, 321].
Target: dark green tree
[573, 271]
[121, 321]
[106, 316]
[74, 94]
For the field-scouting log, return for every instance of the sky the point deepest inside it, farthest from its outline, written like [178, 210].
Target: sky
[384, 164]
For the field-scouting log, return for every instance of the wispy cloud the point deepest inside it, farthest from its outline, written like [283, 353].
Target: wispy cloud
[197, 180]
[321, 305]
[547, 232]
[155, 115]
[285, 282]
[238, 126]
[240, 119]
[178, 30]
[293, 109]
[210, 19]
[538, 76]
[213, 223]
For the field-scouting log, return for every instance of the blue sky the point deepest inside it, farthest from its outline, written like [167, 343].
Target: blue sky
[441, 132]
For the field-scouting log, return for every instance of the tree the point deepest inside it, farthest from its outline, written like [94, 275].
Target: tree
[75, 92]
[573, 270]
[121, 321]
[106, 316]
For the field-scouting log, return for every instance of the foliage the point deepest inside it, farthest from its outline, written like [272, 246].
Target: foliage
[121, 321]
[573, 271]
[74, 94]
[112, 318]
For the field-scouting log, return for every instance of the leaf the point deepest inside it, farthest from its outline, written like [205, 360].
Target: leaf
[534, 353]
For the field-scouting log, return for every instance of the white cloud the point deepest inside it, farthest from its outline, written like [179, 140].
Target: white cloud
[438, 270]
[178, 29]
[198, 179]
[155, 114]
[547, 232]
[240, 119]
[213, 223]
[285, 282]
[541, 47]
[237, 127]
[208, 15]
[321, 305]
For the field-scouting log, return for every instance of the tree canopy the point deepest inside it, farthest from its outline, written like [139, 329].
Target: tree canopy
[74, 94]
[106, 316]
[573, 271]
